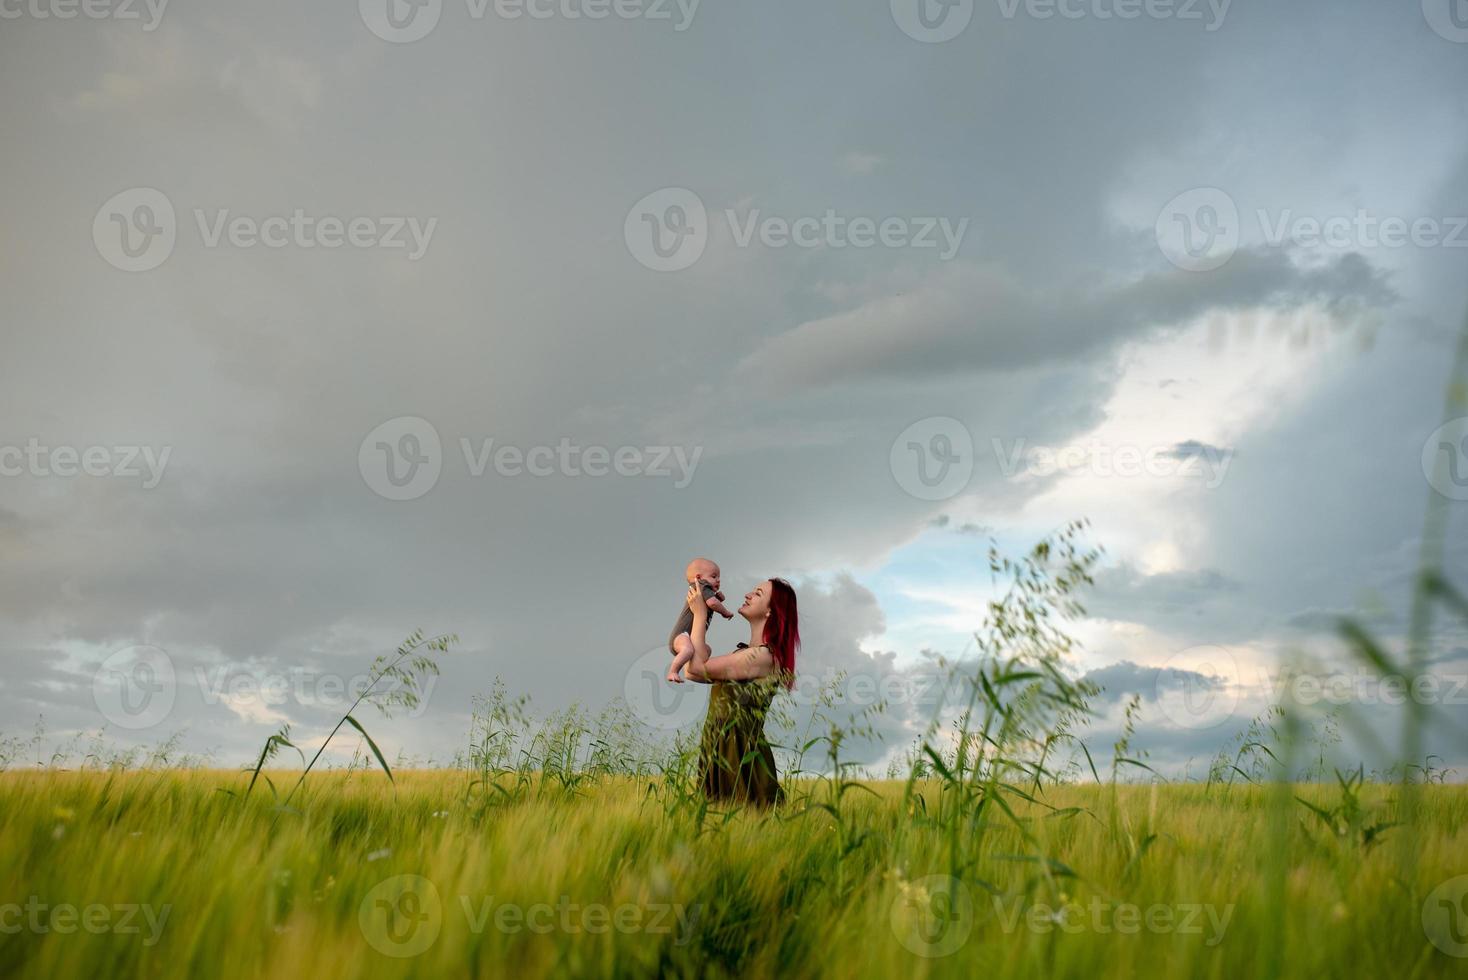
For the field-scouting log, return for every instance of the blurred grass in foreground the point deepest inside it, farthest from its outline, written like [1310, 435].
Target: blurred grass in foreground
[237, 888]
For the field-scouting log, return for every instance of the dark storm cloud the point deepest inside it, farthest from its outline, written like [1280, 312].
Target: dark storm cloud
[1193, 449]
[1121, 680]
[968, 319]
[529, 321]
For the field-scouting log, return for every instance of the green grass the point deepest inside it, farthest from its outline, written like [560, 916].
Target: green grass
[253, 891]
[575, 847]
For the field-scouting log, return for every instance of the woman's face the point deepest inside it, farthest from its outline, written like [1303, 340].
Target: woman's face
[757, 603]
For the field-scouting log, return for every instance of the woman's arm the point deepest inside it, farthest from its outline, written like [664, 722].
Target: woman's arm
[698, 633]
[741, 665]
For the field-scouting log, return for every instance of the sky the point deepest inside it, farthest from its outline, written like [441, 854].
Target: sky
[327, 323]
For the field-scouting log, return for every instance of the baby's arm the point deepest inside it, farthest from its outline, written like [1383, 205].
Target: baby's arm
[715, 602]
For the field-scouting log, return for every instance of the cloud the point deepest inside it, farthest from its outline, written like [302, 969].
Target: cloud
[979, 318]
[794, 370]
[1123, 679]
[1193, 449]
[1199, 602]
[861, 164]
[194, 75]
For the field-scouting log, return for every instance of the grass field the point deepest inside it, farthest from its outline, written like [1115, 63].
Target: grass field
[574, 846]
[159, 873]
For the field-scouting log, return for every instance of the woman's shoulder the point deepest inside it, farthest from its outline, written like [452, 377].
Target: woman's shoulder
[764, 658]
[757, 654]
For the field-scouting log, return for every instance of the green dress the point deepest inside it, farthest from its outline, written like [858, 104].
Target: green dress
[735, 763]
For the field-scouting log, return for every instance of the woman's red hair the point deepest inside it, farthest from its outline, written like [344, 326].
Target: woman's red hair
[782, 628]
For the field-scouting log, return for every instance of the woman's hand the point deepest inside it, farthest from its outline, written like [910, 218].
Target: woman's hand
[699, 606]
[697, 602]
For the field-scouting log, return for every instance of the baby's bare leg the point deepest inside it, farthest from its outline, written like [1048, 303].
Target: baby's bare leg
[682, 653]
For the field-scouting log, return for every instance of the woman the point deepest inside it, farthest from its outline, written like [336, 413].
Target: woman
[734, 759]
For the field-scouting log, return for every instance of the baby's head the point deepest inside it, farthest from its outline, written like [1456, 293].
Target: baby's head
[702, 568]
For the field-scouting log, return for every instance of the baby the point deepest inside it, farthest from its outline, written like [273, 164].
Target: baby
[706, 574]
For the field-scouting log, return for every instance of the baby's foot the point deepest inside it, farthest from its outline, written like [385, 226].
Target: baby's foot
[674, 677]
